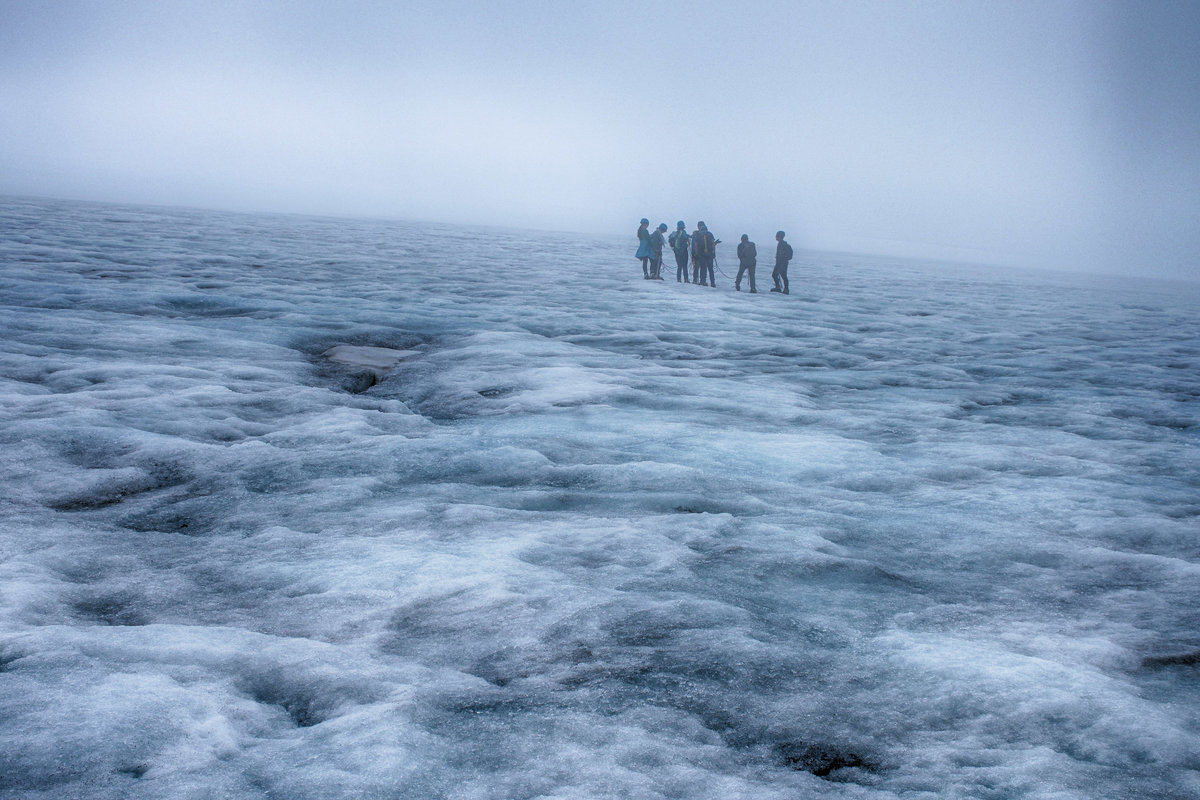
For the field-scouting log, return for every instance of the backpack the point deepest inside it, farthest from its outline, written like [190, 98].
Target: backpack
[703, 242]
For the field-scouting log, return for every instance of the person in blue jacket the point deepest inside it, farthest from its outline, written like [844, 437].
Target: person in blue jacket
[656, 252]
[679, 241]
[643, 251]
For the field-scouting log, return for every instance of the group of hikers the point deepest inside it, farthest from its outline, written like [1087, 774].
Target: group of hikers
[700, 247]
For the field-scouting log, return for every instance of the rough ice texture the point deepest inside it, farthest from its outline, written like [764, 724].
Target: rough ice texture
[912, 531]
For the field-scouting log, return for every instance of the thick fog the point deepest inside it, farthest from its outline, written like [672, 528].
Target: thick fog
[1056, 134]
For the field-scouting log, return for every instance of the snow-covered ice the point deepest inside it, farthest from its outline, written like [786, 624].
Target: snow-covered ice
[318, 508]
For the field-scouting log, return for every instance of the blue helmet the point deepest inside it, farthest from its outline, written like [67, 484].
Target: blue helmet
[681, 224]
[645, 221]
[662, 226]
[779, 234]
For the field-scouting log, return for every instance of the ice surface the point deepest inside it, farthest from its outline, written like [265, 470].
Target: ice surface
[317, 508]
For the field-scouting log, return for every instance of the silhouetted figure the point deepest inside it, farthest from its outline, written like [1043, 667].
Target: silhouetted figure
[656, 252]
[692, 249]
[704, 253]
[783, 254]
[680, 241]
[747, 260]
[643, 251]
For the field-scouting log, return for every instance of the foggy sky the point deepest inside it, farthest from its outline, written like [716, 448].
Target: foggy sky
[1059, 134]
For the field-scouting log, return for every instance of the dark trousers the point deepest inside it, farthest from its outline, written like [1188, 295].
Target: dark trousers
[703, 267]
[655, 265]
[681, 270]
[780, 274]
[645, 266]
[747, 269]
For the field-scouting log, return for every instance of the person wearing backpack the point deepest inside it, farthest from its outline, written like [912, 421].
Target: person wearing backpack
[747, 259]
[656, 250]
[783, 254]
[704, 252]
[643, 251]
[679, 241]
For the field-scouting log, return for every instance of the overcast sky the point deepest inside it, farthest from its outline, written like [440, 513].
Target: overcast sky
[1062, 134]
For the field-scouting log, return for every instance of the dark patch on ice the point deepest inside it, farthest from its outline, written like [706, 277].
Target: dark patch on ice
[1186, 512]
[350, 378]
[821, 760]
[728, 504]
[357, 382]
[307, 700]
[136, 771]
[111, 608]
[1177, 424]
[594, 502]
[304, 708]
[91, 449]
[166, 520]
[647, 662]
[500, 391]
[156, 476]
[1177, 660]
[8, 657]
[192, 510]
[87, 503]
[501, 667]
[493, 677]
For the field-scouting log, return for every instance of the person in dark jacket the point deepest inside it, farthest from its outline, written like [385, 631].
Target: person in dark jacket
[783, 254]
[747, 260]
[692, 249]
[704, 253]
[679, 241]
[656, 249]
[643, 251]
